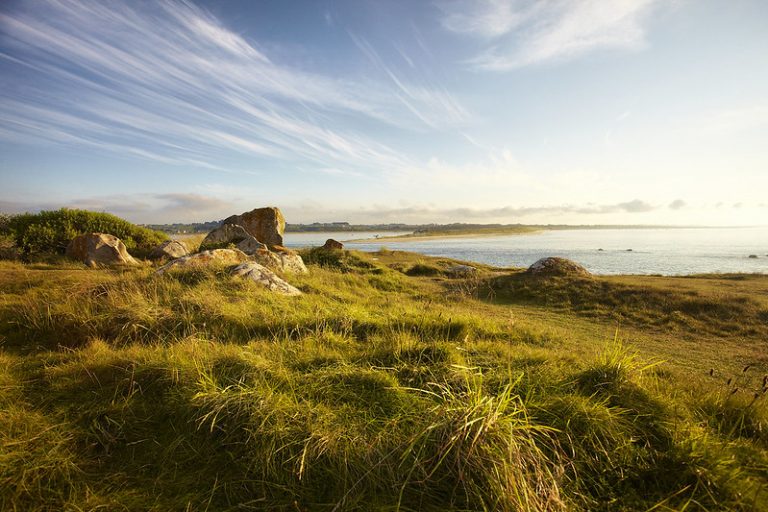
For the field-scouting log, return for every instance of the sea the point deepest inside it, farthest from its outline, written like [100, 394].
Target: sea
[646, 251]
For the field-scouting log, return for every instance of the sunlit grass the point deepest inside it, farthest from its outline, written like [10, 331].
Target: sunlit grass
[375, 390]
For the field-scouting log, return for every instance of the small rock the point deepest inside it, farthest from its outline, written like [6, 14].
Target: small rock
[753, 256]
[170, 249]
[558, 267]
[600, 250]
[99, 249]
[460, 270]
[629, 250]
[211, 257]
[292, 262]
[265, 277]
[333, 245]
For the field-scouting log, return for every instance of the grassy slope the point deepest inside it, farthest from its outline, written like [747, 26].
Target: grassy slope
[380, 390]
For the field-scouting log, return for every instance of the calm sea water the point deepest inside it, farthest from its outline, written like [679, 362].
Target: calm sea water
[654, 251]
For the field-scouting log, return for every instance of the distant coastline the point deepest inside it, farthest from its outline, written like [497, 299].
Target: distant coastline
[481, 231]
[412, 231]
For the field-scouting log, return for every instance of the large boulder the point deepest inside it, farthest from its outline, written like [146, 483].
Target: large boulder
[206, 258]
[333, 245]
[281, 259]
[266, 224]
[554, 266]
[170, 249]
[262, 275]
[231, 234]
[99, 249]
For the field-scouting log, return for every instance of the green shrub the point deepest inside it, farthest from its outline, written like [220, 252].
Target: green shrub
[50, 231]
[422, 269]
[343, 261]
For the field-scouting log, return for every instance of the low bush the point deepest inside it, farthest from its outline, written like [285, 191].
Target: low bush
[344, 261]
[422, 269]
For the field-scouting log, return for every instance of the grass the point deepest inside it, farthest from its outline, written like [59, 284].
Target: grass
[380, 389]
[711, 304]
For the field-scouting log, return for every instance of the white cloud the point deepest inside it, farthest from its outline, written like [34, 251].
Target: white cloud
[728, 120]
[484, 18]
[171, 83]
[525, 33]
[430, 103]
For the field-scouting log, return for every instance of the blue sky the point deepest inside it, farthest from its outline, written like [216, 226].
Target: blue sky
[562, 111]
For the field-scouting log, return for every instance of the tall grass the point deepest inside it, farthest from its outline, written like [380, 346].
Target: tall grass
[128, 391]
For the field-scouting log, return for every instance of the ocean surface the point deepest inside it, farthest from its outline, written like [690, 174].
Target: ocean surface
[678, 251]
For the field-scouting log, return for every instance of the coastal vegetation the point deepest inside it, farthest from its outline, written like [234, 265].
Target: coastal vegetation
[48, 233]
[391, 383]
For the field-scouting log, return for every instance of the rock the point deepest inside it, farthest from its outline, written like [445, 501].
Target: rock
[225, 234]
[250, 245]
[281, 259]
[205, 258]
[333, 245]
[290, 261]
[557, 267]
[99, 249]
[170, 249]
[265, 277]
[222, 236]
[233, 234]
[268, 259]
[460, 270]
[753, 256]
[266, 224]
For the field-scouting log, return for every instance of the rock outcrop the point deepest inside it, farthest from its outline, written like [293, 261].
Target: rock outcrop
[205, 258]
[170, 249]
[259, 234]
[267, 225]
[333, 245]
[558, 267]
[260, 274]
[99, 249]
[233, 234]
[281, 259]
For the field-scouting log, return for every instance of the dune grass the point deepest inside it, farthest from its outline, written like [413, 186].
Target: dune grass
[375, 390]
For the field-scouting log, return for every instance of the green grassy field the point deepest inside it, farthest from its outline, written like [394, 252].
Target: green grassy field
[388, 385]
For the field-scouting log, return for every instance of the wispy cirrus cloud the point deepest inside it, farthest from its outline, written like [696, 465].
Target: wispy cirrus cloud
[170, 82]
[520, 33]
[429, 102]
[484, 18]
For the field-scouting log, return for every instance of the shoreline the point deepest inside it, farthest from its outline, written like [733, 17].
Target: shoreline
[441, 236]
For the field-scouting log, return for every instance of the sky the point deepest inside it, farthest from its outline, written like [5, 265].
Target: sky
[511, 111]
